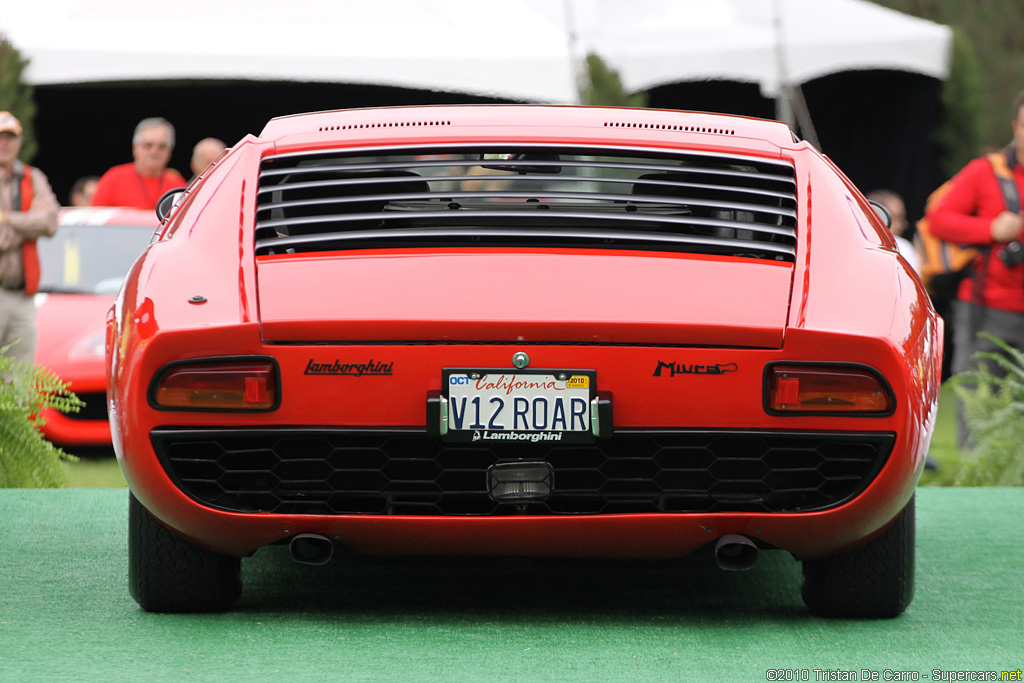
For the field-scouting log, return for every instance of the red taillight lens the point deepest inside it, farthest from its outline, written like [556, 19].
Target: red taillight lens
[218, 385]
[825, 389]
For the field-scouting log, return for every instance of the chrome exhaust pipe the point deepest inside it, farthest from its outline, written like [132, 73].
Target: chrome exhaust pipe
[311, 549]
[735, 553]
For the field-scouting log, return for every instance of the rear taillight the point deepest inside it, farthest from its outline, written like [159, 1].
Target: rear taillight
[826, 389]
[230, 384]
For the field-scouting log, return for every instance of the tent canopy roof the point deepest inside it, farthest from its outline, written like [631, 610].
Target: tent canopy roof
[515, 49]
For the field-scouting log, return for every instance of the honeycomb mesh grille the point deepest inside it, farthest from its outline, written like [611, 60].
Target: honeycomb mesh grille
[409, 473]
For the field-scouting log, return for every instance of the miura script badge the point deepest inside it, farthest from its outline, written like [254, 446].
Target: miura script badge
[671, 369]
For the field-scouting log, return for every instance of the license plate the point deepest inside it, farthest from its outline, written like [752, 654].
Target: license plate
[519, 405]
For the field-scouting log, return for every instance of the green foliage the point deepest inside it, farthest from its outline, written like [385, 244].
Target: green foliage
[994, 30]
[994, 411]
[16, 95]
[27, 460]
[960, 133]
[604, 86]
[944, 449]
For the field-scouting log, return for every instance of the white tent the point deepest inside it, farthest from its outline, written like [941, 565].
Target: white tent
[768, 42]
[515, 49]
[505, 49]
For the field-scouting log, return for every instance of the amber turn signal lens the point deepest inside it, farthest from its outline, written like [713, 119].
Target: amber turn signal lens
[826, 389]
[218, 385]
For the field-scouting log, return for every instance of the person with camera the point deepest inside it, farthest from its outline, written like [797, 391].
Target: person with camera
[983, 209]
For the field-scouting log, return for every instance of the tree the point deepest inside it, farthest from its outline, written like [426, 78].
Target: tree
[992, 32]
[604, 86]
[960, 132]
[16, 95]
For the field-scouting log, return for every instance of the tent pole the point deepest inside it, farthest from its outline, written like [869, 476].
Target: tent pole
[790, 106]
[578, 62]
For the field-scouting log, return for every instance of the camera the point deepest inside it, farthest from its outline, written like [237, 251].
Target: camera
[1012, 254]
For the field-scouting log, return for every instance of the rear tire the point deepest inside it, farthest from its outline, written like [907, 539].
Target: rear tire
[166, 573]
[875, 580]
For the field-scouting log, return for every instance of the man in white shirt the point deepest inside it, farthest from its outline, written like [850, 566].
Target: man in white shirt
[893, 203]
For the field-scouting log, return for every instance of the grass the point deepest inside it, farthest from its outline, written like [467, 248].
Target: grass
[65, 613]
[95, 471]
[944, 451]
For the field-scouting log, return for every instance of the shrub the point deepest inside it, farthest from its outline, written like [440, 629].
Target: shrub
[994, 411]
[603, 86]
[26, 458]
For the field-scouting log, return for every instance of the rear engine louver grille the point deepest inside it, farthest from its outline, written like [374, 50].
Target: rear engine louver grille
[527, 196]
[409, 473]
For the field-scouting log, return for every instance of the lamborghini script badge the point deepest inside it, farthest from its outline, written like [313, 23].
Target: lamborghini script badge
[672, 369]
[337, 367]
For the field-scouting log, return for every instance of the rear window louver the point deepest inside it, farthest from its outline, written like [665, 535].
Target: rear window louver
[527, 196]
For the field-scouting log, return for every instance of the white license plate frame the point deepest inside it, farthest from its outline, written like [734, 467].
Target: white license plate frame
[513, 406]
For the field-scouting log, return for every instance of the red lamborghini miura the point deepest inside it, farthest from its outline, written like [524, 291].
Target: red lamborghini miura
[83, 266]
[523, 330]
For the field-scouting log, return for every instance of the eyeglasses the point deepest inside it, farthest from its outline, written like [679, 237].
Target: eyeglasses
[151, 145]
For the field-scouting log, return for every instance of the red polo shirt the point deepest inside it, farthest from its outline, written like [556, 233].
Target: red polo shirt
[123, 186]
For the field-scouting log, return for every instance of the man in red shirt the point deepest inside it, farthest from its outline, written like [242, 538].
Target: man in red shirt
[141, 183]
[974, 212]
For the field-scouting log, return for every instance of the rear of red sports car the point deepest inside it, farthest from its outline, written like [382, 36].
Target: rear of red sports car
[505, 330]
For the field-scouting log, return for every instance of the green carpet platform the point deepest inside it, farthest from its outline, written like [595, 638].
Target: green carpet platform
[65, 613]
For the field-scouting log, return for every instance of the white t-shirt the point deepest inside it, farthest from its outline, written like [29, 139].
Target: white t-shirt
[908, 252]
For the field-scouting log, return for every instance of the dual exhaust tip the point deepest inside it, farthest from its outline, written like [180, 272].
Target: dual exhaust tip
[311, 549]
[733, 552]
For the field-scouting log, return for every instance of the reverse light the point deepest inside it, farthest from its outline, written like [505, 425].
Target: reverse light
[826, 389]
[230, 384]
[520, 482]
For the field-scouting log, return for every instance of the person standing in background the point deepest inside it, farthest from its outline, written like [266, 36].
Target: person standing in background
[977, 211]
[205, 153]
[28, 211]
[141, 183]
[83, 190]
[893, 203]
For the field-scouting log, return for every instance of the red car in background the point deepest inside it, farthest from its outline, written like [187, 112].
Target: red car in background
[83, 266]
[523, 330]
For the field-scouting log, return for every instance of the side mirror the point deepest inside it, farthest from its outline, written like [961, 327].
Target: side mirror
[167, 202]
[882, 212]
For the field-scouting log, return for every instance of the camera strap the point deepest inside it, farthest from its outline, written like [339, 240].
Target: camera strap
[1004, 174]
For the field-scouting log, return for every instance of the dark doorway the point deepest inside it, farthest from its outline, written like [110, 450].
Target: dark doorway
[86, 129]
[876, 125]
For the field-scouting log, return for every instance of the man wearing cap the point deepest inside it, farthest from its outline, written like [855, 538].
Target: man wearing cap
[28, 211]
[141, 183]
